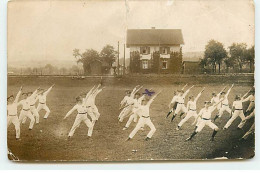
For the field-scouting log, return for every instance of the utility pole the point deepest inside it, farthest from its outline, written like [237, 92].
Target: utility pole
[124, 61]
[118, 58]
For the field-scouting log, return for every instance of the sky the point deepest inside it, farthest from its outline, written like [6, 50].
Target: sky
[50, 30]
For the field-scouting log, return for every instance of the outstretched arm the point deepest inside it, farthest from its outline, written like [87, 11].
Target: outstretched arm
[221, 91]
[133, 93]
[229, 90]
[90, 92]
[243, 98]
[188, 90]
[198, 96]
[184, 86]
[47, 92]
[70, 112]
[18, 95]
[216, 104]
[152, 99]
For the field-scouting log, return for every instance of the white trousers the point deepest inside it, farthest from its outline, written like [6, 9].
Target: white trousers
[95, 111]
[125, 112]
[223, 109]
[15, 121]
[35, 113]
[78, 120]
[143, 121]
[202, 123]
[23, 116]
[133, 117]
[190, 114]
[180, 109]
[234, 116]
[44, 107]
[91, 114]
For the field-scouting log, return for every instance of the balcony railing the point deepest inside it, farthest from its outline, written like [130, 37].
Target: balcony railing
[165, 56]
[145, 56]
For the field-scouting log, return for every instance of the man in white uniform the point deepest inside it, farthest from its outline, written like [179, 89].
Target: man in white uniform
[237, 110]
[87, 101]
[205, 115]
[127, 104]
[215, 99]
[92, 99]
[136, 104]
[252, 115]
[173, 103]
[180, 106]
[252, 128]
[26, 112]
[12, 116]
[33, 97]
[81, 116]
[192, 109]
[251, 99]
[42, 102]
[144, 113]
[224, 104]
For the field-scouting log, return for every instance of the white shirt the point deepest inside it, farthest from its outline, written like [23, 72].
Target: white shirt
[214, 99]
[206, 113]
[174, 99]
[32, 99]
[143, 111]
[25, 104]
[238, 104]
[225, 101]
[180, 99]
[193, 104]
[12, 109]
[80, 108]
[42, 98]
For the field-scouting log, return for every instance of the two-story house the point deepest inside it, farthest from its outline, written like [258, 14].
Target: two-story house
[148, 41]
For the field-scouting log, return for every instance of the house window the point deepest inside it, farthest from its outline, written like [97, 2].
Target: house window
[145, 64]
[164, 64]
[145, 50]
[165, 50]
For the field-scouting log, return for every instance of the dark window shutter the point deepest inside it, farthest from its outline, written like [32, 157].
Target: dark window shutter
[161, 49]
[141, 50]
[168, 50]
[148, 50]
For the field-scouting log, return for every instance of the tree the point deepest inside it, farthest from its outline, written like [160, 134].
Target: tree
[76, 54]
[74, 69]
[49, 68]
[63, 71]
[87, 57]
[250, 57]
[237, 52]
[108, 54]
[229, 63]
[214, 54]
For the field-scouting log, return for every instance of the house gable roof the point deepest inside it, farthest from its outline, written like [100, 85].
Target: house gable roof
[154, 37]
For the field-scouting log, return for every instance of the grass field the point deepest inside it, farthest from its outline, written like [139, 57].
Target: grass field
[48, 141]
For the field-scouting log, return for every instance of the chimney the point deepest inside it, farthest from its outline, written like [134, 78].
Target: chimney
[153, 27]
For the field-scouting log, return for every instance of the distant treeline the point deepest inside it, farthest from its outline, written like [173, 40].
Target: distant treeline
[48, 69]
